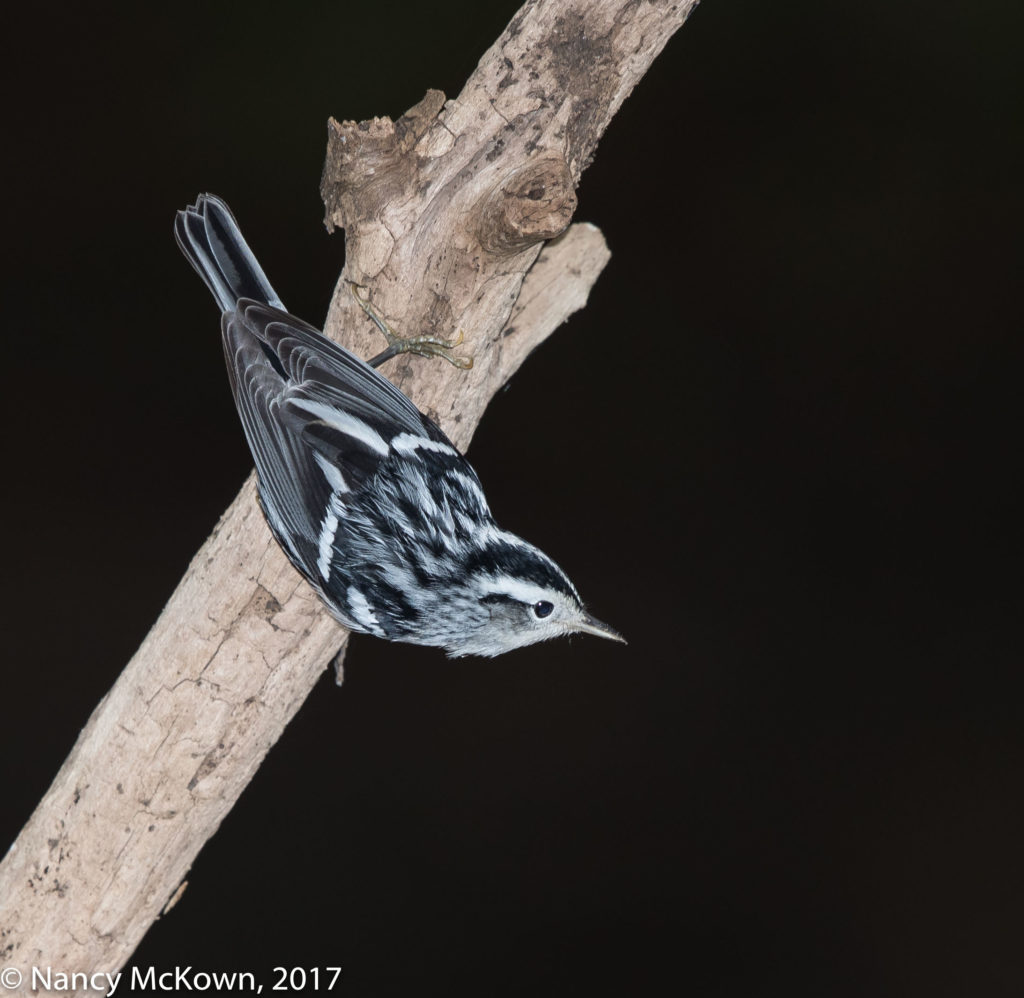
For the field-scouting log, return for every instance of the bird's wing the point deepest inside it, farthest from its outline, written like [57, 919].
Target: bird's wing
[318, 420]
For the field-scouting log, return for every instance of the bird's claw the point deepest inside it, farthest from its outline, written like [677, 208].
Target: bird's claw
[423, 346]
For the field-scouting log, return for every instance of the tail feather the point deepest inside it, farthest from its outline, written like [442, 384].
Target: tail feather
[210, 238]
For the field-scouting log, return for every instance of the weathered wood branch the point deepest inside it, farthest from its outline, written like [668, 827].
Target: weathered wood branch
[446, 213]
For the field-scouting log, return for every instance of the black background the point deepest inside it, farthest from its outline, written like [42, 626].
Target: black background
[779, 450]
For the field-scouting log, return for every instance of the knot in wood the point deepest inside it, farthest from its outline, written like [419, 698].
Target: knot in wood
[532, 204]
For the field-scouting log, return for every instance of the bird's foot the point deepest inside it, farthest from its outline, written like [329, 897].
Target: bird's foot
[424, 346]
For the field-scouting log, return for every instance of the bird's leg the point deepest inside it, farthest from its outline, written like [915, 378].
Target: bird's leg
[424, 346]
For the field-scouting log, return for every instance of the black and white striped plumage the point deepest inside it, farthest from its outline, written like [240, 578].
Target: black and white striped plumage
[368, 498]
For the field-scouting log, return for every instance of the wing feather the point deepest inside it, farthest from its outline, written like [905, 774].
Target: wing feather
[330, 372]
[315, 417]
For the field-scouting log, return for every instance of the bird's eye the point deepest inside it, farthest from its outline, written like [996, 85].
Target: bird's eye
[543, 608]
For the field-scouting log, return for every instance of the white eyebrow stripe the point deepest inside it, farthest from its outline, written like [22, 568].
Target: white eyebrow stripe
[345, 423]
[507, 585]
[408, 443]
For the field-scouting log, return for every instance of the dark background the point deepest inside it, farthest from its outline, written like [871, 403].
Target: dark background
[779, 450]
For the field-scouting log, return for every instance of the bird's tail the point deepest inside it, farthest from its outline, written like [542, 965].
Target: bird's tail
[209, 236]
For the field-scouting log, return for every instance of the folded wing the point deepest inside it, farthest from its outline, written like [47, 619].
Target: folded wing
[318, 420]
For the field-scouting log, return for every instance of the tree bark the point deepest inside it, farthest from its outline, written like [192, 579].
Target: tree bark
[449, 215]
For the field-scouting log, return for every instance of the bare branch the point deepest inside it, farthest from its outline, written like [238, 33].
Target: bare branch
[446, 212]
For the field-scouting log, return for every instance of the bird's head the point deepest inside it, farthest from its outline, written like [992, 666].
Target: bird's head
[524, 598]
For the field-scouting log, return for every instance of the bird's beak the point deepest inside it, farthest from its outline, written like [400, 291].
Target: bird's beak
[589, 625]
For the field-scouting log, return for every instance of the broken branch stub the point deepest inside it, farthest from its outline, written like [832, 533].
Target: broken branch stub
[446, 209]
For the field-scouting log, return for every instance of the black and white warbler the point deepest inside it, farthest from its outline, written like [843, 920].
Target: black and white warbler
[368, 498]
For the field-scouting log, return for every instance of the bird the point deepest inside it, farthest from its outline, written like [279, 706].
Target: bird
[367, 497]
